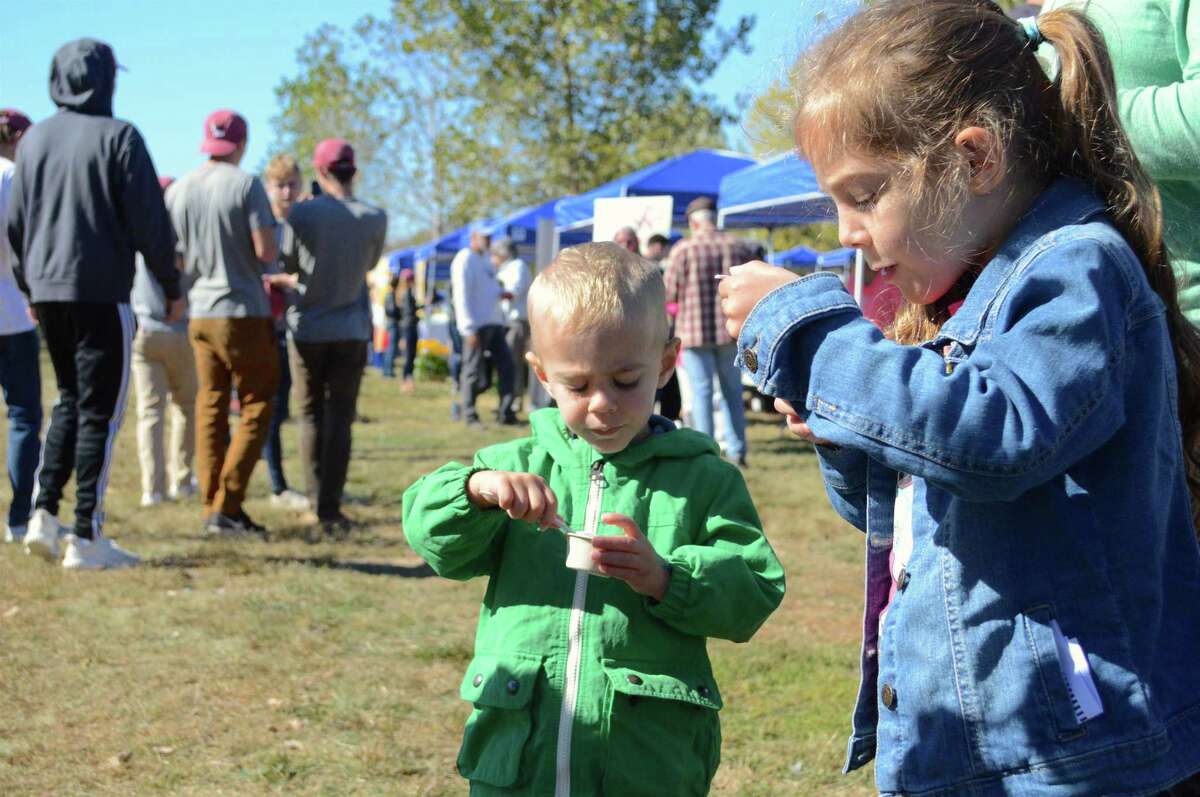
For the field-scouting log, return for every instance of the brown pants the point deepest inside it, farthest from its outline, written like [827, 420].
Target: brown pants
[231, 353]
[325, 382]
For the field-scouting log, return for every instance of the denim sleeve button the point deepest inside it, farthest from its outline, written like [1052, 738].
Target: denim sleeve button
[702, 690]
[902, 579]
[478, 680]
[634, 679]
[751, 360]
[888, 694]
[512, 686]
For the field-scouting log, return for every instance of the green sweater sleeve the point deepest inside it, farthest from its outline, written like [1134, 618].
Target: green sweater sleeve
[458, 539]
[1162, 119]
[728, 581]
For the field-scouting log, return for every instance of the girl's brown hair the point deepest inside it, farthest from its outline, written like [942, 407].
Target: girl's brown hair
[902, 77]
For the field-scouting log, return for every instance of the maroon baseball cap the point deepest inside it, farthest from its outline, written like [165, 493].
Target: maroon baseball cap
[333, 152]
[14, 120]
[223, 131]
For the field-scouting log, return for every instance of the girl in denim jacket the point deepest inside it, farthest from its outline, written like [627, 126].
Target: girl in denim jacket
[1021, 448]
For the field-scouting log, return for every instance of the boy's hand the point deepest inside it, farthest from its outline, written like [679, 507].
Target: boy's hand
[522, 495]
[631, 558]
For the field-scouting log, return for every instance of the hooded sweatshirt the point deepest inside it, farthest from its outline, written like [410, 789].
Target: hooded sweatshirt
[85, 196]
[579, 685]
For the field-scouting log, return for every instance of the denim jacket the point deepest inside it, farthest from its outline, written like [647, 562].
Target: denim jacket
[1042, 433]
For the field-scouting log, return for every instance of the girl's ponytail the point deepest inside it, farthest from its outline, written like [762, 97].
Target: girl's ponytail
[1092, 145]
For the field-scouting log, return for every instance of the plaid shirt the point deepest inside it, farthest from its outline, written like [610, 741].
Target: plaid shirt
[691, 283]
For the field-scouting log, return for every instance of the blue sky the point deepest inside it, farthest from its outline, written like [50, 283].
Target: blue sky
[186, 58]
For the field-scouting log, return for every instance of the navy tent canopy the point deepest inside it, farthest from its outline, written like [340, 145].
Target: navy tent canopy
[400, 259]
[683, 177]
[780, 192]
[447, 244]
[438, 254]
[797, 257]
[521, 225]
[837, 258]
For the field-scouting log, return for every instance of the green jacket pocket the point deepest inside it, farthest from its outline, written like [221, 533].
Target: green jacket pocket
[501, 689]
[664, 733]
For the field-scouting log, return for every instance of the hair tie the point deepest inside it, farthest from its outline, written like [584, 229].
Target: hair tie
[1033, 34]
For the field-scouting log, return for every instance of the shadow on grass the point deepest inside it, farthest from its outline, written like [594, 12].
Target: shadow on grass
[236, 560]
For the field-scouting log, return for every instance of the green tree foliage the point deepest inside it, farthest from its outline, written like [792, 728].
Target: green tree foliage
[467, 107]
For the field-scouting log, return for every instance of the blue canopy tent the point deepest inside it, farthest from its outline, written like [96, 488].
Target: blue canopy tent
[837, 258]
[439, 252]
[400, 259]
[777, 193]
[521, 225]
[683, 177]
[797, 257]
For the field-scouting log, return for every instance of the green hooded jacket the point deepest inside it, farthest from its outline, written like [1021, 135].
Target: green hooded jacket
[581, 686]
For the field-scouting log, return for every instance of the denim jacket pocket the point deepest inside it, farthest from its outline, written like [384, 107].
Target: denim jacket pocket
[1051, 684]
[672, 713]
[501, 689]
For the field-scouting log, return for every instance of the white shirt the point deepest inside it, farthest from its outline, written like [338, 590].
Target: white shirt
[515, 277]
[476, 292]
[14, 313]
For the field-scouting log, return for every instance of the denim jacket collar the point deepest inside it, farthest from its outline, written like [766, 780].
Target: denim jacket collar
[1067, 201]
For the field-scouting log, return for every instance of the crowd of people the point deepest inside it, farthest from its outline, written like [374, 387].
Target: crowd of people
[212, 291]
[1020, 446]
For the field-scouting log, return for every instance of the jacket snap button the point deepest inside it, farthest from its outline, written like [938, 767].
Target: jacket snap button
[702, 690]
[478, 680]
[751, 360]
[512, 686]
[634, 679]
[889, 697]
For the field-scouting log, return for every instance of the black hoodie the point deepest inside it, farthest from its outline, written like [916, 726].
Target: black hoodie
[85, 195]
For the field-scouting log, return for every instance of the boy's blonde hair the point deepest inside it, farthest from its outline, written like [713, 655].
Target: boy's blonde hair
[281, 167]
[599, 285]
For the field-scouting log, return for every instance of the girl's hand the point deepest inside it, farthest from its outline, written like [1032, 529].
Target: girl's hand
[795, 425]
[631, 558]
[522, 495]
[744, 286]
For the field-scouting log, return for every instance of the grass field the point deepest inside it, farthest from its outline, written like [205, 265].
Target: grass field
[301, 666]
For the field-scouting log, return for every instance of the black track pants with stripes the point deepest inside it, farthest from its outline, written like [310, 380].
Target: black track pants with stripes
[89, 345]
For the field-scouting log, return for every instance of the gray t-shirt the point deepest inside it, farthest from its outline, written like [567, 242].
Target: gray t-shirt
[150, 302]
[332, 244]
[214, 209]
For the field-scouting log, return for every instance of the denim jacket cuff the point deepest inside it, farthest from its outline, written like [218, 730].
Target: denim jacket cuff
[762, 353]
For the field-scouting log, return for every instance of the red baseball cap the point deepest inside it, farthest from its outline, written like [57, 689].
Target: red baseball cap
[333, 152]
[223, 131]
[14, 120]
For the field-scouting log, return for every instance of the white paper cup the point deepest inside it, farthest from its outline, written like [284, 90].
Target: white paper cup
[579, 552]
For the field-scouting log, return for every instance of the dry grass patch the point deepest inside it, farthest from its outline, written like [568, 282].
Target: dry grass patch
[319, 667]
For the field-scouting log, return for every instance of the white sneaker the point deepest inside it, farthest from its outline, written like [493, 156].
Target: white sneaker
[186, 490]
[291, 499]
[151, 499]
[41, 538]
[98, 554]
[14, 533]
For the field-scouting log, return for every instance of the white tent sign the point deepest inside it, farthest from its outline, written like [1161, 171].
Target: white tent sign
[649, 215]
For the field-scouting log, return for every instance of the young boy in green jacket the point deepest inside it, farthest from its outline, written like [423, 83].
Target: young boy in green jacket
[585, 685]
